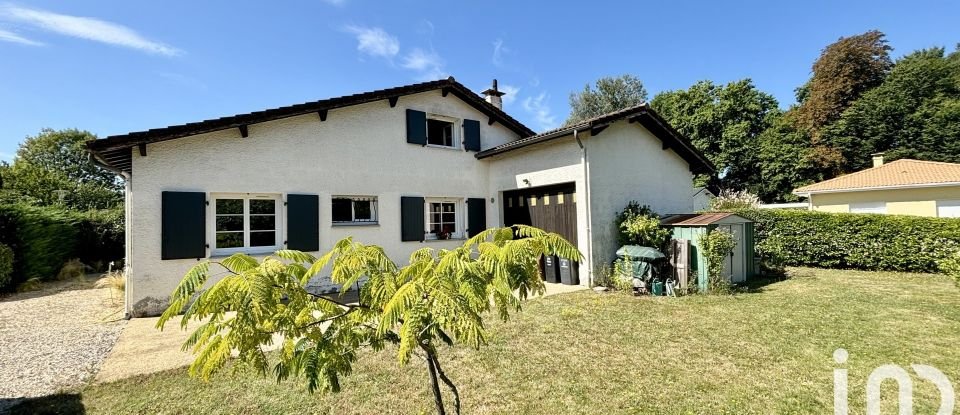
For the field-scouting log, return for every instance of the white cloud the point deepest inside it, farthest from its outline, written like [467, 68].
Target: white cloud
[86, 28]
[510, 93]
[498, 51]
[540, 111]
[428, 64]
[7, 36]
[374, 41]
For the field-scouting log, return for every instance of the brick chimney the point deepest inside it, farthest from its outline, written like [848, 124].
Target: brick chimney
[493, 95]
[877, 159]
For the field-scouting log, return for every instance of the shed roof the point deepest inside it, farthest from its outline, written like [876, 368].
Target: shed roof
[903, 173]
[700, 219]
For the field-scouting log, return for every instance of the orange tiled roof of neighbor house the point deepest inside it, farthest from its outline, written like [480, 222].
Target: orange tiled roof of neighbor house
[896, 174]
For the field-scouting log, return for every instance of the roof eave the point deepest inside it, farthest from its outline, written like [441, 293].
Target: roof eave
[807, 193]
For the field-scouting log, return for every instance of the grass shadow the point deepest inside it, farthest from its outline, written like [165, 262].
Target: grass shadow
[60, 403]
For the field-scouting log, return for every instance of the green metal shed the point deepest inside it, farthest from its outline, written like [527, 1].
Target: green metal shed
[741, 264]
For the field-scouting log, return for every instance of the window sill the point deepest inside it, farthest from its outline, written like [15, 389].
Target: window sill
[437, 146]
[446, 240]
[351, 224]
[251, 252]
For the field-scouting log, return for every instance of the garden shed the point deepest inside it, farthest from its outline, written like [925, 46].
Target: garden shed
[740, 265]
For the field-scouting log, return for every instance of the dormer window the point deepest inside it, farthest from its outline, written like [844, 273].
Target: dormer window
[442, 132]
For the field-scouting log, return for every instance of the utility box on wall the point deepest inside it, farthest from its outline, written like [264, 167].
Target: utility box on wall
[740, 265]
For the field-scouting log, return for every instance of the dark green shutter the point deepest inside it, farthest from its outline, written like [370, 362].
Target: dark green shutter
[476, 216]
[303, 222]
[183, 225]
[411, 218]
[471, 135]
[416, 127]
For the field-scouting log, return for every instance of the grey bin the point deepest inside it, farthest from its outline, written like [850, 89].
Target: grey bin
[569, 273]
[551, 270]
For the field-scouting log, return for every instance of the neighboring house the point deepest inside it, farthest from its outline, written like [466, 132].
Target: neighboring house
[901, 187]
[427, 164]
[702, 199]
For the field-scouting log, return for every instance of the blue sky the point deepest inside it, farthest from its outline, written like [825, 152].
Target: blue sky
[117, 66]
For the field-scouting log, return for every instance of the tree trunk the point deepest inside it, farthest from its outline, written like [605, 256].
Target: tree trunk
[431, 355]
[438, 399]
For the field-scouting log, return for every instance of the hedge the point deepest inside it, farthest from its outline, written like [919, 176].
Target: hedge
[858, 241]
[44, 238]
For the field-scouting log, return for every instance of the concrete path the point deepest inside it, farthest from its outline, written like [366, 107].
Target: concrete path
[142, 349]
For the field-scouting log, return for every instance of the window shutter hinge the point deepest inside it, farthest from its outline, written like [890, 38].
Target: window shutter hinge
[207, 202]
[206, 246]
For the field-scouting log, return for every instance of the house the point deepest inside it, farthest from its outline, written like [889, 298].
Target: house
[901, 187]
[427, 164]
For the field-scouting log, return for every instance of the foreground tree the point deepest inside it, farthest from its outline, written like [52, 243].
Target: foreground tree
[440, 297]
[54, 168]
[611, 94]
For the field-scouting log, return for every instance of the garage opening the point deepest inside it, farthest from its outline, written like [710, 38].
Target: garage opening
[553, 209]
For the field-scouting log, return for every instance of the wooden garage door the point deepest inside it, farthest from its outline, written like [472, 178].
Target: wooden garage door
[551, 208]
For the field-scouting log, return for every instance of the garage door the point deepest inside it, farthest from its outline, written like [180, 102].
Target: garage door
[551, 208]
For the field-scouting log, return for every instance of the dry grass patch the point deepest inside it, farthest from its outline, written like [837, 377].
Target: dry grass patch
[766, 351]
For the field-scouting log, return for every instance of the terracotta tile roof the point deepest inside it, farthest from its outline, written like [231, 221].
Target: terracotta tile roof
[899, 173]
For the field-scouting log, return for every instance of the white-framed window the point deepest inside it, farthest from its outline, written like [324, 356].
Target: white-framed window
[948, 208]
[354, 210]
[442, 131]
[444, 218]
[246, 222]
[869, 207]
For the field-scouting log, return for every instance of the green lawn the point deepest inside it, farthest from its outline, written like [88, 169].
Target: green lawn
[766, 351]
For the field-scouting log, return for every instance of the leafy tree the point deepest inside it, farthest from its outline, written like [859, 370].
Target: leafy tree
[440, 297]
[915, 113]
[611, 94]
[844, 71]
[724, 122]
[786, 160]
[55, 168]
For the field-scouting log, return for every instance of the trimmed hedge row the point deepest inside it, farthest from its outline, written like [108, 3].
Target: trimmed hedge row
[44, 238]
[859, 241]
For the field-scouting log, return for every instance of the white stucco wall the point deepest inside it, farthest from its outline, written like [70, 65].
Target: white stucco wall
[359, 150]
[627, 162]
[556, 162]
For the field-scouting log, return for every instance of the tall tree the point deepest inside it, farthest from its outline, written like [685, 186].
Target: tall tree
[844, 71]
[914, 113]
[611, 94]
[724, 122]
[54, 168]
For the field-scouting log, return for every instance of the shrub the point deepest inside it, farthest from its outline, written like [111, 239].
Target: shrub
[638, 225]
[6, 265]
[951, 266]
[72, 269]
[732, 199]
[716, 246]
[115, 280]
[44, 238]
[858, 241]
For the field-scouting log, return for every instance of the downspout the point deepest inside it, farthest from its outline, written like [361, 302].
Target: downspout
[586, 196]
[127, 241]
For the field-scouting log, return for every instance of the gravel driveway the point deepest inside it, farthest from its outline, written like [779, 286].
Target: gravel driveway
[55, 338]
